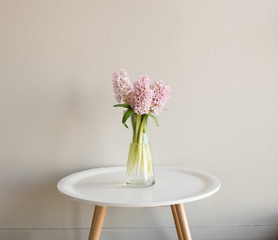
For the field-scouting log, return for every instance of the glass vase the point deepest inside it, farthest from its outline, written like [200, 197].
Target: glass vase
[139, 171]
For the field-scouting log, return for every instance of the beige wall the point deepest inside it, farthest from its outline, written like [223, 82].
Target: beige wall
[57, 57]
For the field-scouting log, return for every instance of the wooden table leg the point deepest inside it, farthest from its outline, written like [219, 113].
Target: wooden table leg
[97, 222]
[183, 222]
[177, 222]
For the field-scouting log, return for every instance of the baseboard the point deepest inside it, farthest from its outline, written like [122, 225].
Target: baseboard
[198, 233]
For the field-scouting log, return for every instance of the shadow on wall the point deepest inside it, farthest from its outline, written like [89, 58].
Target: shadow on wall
[38, 204]
[56, 144]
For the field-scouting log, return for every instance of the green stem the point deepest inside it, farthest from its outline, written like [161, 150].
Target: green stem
[142, 126]
[138, 122]
[146, 124]
[133, 123]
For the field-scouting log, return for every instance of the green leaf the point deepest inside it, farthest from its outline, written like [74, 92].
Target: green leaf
[154, 118]
[122, 105]
[126, 116]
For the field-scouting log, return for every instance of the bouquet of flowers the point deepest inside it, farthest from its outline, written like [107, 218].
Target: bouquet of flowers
[142, 99]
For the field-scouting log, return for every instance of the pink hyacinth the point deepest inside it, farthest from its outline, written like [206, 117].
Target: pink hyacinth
[141, 96]
[122, 86]
[161, 94]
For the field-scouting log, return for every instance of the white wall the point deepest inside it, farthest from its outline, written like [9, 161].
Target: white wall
[56, 59]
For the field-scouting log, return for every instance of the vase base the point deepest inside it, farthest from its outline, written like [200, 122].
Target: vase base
[140, 184]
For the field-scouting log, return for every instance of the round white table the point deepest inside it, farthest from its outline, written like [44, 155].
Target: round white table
[106, 187]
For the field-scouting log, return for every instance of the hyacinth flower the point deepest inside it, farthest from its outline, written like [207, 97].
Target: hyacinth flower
[141, 100]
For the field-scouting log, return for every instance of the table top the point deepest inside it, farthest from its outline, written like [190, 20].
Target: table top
[107, 187]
